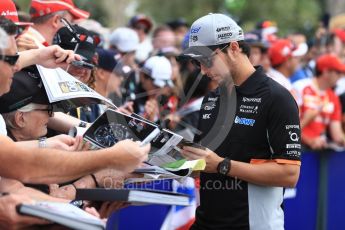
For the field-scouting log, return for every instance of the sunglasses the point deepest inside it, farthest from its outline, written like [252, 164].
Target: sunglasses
[21, 29]
[10, 59]
[207, 61]
[49, 110]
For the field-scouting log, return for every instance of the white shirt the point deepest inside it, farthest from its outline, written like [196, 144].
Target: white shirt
[3, 130]
[280, 78]
[36, 36]
[143, 50]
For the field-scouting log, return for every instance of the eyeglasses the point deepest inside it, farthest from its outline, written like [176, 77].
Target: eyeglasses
[207, 61]
[10, 59]
[21, 29]
[49, 110]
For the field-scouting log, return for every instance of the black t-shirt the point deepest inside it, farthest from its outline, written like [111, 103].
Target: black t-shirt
[259, 122]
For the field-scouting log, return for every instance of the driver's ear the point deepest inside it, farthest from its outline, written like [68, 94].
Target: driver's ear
[234, 46]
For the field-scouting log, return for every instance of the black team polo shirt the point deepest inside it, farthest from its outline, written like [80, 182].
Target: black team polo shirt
[265, 127]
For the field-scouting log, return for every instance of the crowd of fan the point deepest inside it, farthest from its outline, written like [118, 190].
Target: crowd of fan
[137, 67]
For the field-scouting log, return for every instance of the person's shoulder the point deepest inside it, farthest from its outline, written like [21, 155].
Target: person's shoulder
[279, 96]
[276, 89]
[332, 94]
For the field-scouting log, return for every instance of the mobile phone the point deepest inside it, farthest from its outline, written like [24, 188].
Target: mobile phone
[191, 144]
[83, 64]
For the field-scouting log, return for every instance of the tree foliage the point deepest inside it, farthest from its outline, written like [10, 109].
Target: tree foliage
[291, 16]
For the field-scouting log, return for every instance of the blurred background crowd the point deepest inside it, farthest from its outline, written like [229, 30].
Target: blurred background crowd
[136, 62]
[132, 58]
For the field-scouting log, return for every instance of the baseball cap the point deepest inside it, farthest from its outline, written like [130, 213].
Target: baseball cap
[124, 39]
[87, 46]
[329, 62]
[159, 69]
[340, 33]
[40, 8]
[176, 23]
[26, 88]
[211, 30]
[111, 61]
[141, 19]
[8, 10]
[254, 38]
[269, 30]
[281, 50]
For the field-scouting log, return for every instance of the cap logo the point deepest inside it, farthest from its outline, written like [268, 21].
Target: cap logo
[194, 38]
[73, 40]
[224, 36]
[285, 51]
[9, 13]
[226, 28]
[195, 30]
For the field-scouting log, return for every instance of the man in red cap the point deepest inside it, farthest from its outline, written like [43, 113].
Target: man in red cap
[284, 57]
[9, 11]
[46, 16]
[320, 108]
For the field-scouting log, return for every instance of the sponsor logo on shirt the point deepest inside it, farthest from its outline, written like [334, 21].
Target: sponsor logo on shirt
[209, 106]
[252, 99]
[206, 116]
[287, 127]
[293, 136]
[244, 121]
[214, 99]
[294, 153]
[249, 109]
[293, 146]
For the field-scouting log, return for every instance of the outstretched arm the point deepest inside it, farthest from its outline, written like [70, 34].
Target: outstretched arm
[48, 166]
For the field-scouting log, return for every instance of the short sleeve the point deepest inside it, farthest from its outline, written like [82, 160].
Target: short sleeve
[336, 115]
[283, 130]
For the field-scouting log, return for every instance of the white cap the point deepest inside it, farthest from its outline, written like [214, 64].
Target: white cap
[301, 50]
[125, 39]
[159, 69]
[212, 30]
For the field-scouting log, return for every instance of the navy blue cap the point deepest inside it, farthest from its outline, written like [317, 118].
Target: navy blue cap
[107, 59]
[254, 38]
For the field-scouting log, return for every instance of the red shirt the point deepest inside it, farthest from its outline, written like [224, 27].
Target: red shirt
[328, 105]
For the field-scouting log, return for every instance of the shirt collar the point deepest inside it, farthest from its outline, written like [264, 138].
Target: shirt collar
[253, 81]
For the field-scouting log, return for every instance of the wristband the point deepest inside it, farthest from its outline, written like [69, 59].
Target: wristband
[94, 178]
[42, 142]
[82, 124]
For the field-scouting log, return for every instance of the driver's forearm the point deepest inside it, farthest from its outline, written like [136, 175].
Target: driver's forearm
[267, 174]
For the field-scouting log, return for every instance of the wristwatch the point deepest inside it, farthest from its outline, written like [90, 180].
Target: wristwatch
[77, 203]
[224, 166]
[82, 124]
[42, 142]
